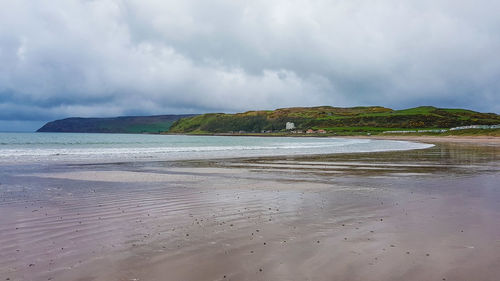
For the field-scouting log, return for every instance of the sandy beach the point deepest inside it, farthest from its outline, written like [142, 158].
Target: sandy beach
[440, 139]
[429, 214]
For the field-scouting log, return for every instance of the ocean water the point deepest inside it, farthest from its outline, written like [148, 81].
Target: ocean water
[97, 148]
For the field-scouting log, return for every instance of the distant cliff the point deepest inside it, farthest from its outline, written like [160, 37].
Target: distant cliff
[124, 124]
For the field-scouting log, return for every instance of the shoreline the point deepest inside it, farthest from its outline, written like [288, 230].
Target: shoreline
[423, 138]
[196, 148]
[482, 140]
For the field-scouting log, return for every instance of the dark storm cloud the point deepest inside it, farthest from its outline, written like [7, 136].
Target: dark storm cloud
[99, 58]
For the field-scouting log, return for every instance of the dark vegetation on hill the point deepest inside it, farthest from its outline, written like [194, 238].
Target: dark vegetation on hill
[334, 120]
[125, 124]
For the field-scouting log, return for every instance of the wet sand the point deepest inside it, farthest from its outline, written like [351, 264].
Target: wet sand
[427, 214]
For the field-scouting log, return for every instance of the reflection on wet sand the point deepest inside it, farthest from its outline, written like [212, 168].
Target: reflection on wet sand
[417, 215]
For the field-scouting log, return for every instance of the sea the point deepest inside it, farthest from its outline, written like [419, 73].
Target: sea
[105, 148]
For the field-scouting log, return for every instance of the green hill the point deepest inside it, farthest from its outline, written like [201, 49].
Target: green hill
[124, 124]
[334, 120]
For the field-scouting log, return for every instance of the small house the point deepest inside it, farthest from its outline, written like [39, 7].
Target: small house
[290, 126]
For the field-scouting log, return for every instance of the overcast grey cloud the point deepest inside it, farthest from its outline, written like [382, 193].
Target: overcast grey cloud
[61, 58]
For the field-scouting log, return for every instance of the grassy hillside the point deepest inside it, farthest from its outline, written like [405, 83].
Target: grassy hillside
[352, 120]
[125, 124]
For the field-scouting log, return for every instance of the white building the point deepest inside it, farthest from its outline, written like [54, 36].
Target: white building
[290, 126]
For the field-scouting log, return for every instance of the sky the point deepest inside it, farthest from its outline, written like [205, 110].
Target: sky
[63, 58]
